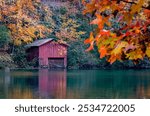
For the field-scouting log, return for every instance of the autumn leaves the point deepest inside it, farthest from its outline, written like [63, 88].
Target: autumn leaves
[128, 40]
[23, 19]
[122, 32]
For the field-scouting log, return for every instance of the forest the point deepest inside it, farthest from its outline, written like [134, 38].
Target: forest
[101, 34]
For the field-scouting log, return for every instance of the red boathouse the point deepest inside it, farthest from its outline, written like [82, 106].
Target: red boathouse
[50, 54]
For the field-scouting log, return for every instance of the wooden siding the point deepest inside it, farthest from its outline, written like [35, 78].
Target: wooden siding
[52, 50]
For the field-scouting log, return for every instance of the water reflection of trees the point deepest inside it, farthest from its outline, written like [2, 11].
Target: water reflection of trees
[109, 84]
[2, 94]
[47, 84]
[57, 84]
[23, 84]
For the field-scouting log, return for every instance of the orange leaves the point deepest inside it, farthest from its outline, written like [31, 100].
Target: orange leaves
[98, 21]
[90, 41]
[83, 2]
[90, 7]
[91, 47]
[113, 58]
[105, 32]
[137, 7]
[102, 52]
[122, 30]
[147, 13]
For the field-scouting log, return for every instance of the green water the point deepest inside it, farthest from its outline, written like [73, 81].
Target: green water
[58, 84]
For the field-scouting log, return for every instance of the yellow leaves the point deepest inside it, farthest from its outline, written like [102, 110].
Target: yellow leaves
[81, 33]
[137, 7]
[17, 41]
[68, 29]
[23, 20]
[69, 23]
[118, 48]
[30, 31]
[21, 4]
[115, 6]
[148, 52]
[135, 55]
[43, 30]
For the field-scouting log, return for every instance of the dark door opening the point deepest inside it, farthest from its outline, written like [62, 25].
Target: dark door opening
[56, 62]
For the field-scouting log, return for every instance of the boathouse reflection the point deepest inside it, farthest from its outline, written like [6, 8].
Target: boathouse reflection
[52, 83]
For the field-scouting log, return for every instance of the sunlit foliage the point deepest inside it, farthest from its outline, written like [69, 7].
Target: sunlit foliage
[24, 19]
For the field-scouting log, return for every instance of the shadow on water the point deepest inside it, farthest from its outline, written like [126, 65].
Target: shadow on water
[74, 84]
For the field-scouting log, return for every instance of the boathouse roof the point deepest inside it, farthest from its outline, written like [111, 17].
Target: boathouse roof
[40, 42]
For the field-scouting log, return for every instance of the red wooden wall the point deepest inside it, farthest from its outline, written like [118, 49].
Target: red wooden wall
[52, 50]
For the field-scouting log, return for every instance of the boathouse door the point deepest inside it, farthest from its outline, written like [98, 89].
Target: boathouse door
[56, 62]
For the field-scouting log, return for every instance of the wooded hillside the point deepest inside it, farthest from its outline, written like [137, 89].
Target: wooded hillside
[111, 35]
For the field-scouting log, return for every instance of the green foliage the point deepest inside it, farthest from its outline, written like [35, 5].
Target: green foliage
[20, 58]
[4, 36]
[63, 10]
[78, 58]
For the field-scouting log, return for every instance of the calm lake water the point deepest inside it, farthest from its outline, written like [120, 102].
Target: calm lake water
[108, 84]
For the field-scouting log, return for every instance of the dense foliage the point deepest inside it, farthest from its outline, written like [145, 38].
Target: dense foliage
[4, 36]
[115, 33]
[123, 28]
[24, 19]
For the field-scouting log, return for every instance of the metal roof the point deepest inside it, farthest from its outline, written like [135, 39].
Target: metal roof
[38, 43]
